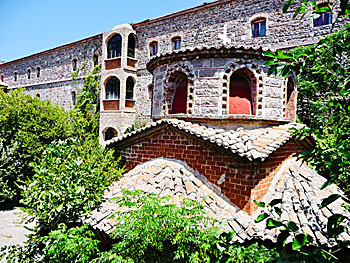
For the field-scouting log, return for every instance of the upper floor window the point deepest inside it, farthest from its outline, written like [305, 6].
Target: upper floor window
[131, 45]
[28, 73]
[176, 42]
[259, 27]
[324, 18]
[15, 76]
[153, 47]
[74, 64]
[38, 72]
[130, 83]
[114, 47]
[150, 91]
[113, 89]
[2, 78]
[95, 60]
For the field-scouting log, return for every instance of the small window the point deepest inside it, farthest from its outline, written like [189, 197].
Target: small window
[323, 19]
[95, 60]
[113, 89]
[74, 98]
[74, 64]
[259, 27]
[114, 47]
[130, 88]
[176, 41]
[2, 78]
[28, 73]
[131, 45]
[153, 47]
[150, 92]
[38, 72]
[15, 76]
[110, 133]
[37, 95]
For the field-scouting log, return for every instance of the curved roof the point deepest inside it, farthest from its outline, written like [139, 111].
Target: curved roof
[297, 186]
[206, 52]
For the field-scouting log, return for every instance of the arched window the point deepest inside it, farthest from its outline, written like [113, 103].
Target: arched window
[28, 73]
[38, 72]
[113, 89]
[259, 27]
[131, 45]
[110, 133]
[2, 78]
[74, 64]
[324, 18]
[15, 76]
[74, 98]
[176, 43]
[95, 60]
[240, 100]
[130, 88]
[37, 95]
[179, 81]
[114, 47]
[153, 48]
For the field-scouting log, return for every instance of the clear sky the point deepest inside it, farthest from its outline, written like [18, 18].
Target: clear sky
[30, 26]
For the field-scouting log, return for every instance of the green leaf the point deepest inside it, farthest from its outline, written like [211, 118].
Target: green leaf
[333, 225]
[260, 204]
[271, 223]
[275, 202]
[281, 240]
[287, 5]
[330, 199]
[261, 217]
[278, 211]
[300, 241]
[292, 226]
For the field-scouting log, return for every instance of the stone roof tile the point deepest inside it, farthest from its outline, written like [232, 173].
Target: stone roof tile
[293, 182]
[256, 144]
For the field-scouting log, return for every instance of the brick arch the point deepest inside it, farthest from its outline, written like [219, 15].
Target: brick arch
[253, 74]
[170, 90]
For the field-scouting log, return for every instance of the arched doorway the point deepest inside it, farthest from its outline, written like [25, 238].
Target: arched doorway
[240, 100]
[110, 133]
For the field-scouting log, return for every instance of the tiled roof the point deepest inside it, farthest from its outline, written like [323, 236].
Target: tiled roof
[297, 186]
[256, 144]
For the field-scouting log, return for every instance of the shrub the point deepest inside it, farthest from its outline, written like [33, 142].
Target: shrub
[69, 181]
[27, 125]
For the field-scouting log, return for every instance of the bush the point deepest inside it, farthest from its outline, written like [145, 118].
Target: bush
[27, 125]
[69, 181]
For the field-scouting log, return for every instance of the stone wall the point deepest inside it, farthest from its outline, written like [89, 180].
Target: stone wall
[209, 92]
[55, 80]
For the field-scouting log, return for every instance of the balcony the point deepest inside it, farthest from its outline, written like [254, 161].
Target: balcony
[111, 105]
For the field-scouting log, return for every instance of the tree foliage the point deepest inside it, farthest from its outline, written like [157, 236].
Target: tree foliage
[27, 125]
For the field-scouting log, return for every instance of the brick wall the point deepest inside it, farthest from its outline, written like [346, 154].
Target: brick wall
[245, 180]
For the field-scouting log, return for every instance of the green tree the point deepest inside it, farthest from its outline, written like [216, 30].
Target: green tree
[27, 125]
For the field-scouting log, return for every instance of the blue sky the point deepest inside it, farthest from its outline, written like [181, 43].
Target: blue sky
[30, 26]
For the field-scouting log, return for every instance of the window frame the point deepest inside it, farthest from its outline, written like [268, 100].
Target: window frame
[113, 94]
[113, 53]
[258, 21]
[176, 43]
[154, 48]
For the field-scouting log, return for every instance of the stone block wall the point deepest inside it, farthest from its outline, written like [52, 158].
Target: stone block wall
[244, 181]
[55, 80]
[208, 95]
